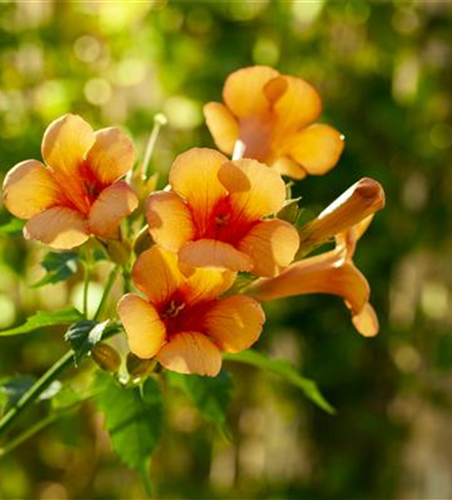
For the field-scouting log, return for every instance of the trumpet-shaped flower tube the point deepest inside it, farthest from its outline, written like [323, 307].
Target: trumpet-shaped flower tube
[77, 192]
[273, 115]
[181, 322]
[214, 214]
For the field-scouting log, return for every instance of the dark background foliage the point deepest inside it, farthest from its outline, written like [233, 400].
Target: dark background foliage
[384, 70]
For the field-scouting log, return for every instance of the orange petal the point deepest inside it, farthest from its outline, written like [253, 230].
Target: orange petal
[254, 189]
[156, 273]
[272, 245]
[325, 273]
[191, 353]
[366, 322]
[29, 189]
[243, 90]
[286, 166]
[317, 148]
[65, 144]
[235, 323]
[145, 331]
[213, 253]
[170, 221]
[58, 227]
[194, 176]
[113, 204]
[298, 106]
[111, 156]
[207, 284]
[222, 125]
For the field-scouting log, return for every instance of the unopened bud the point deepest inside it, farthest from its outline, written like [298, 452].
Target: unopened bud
[358, 202]
[118, 251]
[106, 357]
[143, 241]
[138, 367]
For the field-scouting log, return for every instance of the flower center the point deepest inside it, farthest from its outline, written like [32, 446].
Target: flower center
[173, 309]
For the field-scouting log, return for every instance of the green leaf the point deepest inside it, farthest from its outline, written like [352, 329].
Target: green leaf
[211, 395]
[12, 228]
[133, 418]
[285, 370]
[83, 336]
[15, 387]
[42, 319]
[59, 266]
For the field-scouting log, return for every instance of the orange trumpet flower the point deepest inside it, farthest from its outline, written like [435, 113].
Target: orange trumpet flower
[272, 115]
[78, 192]
[334, 272]
[181, 322]
[213, 216]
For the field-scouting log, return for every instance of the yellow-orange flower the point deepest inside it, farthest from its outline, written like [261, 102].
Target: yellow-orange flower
[213, 215]
[273, 115]
[77, 193]
[334, 272]
[181, 322]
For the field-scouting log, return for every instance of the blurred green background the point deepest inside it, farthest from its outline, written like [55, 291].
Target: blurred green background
[384, 70]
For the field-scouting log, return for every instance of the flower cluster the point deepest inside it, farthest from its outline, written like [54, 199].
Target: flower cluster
[217, 218]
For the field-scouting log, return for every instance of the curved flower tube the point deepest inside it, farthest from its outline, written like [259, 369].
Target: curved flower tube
[77, 193]
[214, 214]
[181, 322]
[333, 272]
[273, 115]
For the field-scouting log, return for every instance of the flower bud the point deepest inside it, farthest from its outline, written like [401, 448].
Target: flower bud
[138, 367]
[106, 357]
[118, 251]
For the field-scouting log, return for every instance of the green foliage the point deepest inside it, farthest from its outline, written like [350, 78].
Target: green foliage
[59, 266]
[286, 371]
[12, 228]
[12, 389]
[211, 395]
[42, 319]
[133, 418]
[83, 336]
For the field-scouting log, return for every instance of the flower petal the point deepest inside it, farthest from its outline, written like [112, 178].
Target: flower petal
[222, 125]
[65, 143]
[207, 284]
[58, 227]
[286, 166]
[156, 273]
[111, 156]
[29, 189]
[254, 189]
[170, 221]
[113, 204]
[191, 353]
[324, 273]
[298, 106]
[214, 253]
[243, 90]
[194, 176]
[145, 331]
[317, 148]
[235, 323]
[366, 321]
[272, 245]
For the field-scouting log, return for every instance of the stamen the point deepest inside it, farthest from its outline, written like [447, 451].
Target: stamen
[173, 309]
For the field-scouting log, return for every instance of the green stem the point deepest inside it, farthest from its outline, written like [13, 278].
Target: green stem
[35, 391]
[146, 480]
[159, 121]
[86, 279]
[108, 287]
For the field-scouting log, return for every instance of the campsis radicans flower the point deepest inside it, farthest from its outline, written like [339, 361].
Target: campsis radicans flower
[213, 216]
[272, 116]
[77, 192]
[333, 272]
[181, 321]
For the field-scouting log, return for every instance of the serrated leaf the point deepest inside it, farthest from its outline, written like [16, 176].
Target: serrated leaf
[59, 266]
[42, 319]
[83, 336]
[211, 395]
[12, 228]
[285, 370]
[133, 418]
